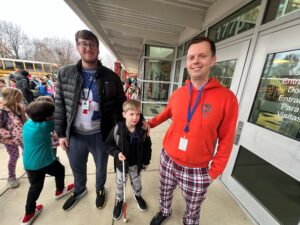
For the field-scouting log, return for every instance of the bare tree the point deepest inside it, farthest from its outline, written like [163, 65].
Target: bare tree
[15, 44]
[54, 50]
[63, 50]
[12, 39]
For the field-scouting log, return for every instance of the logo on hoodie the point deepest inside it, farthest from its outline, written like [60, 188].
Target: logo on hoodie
[206, 109]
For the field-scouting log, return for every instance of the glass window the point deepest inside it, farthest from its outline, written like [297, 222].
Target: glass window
[180, 51]
[155, 91]
[1, 64]
[280, 8]
[38, 67]
[223, 71]
[175, 87]
[274, 189]
[185, 76]
[29, 66]
[20, 65]
[152, 109]
[47, 68]
[277, 103]
[9, 65]
[240, 21]
[177, 71]
[157, 70]
[185, 48]
[159, 52]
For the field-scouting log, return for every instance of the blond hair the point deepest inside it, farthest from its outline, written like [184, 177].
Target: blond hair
[2, 80]
[44, 99]
[131, 104]
[12, 98]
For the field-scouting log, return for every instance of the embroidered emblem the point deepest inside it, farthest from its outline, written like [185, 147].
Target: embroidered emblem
[206, 109]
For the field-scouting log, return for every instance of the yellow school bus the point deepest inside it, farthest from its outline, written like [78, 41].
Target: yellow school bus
[39, 69]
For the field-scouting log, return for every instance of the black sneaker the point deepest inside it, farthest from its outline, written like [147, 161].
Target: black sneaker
[100, 199]
[118, 209]
[142, 205]
[158, 219]
[73, 199]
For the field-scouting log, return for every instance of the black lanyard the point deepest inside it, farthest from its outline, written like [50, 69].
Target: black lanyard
[90, 87]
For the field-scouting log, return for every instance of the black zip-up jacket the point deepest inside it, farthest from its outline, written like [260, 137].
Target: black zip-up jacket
[68, 89]
[143, 145]
[22, 83]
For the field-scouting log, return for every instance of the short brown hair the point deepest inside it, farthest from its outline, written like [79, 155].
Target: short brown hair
[131, 104]
[87, 35]
[44, 99]
[203, 39]
[40, 111]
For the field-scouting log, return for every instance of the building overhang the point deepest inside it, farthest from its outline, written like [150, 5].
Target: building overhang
[124, 26]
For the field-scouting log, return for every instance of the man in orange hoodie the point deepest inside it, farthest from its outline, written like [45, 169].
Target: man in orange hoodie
[203, 112]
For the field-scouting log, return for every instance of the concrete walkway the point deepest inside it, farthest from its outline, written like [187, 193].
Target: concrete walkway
[218, 209]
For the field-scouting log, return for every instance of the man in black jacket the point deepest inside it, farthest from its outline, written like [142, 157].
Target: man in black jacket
[88, 103]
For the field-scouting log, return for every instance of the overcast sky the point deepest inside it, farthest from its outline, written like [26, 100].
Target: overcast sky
[43, 18]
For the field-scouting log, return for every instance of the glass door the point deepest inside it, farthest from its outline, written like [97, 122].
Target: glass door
[230, 64]
[263, 170]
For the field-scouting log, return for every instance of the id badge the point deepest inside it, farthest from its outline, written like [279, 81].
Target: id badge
[183, 144]
[85, 105]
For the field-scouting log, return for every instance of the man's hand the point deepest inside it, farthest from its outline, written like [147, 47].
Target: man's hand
[210, 179]
[64, 143]
[146, 124]
[121, 156]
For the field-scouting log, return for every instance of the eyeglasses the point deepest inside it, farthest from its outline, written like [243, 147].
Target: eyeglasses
[85, 45]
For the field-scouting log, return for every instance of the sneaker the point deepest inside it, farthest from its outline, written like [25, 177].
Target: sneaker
[73, 199]
[118, 209]
[28, 219]
[158, 219]
[100, 199]
[12, 183]
[66, 190]
[142, 205]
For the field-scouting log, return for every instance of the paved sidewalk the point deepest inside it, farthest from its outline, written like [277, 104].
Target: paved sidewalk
[218, 209]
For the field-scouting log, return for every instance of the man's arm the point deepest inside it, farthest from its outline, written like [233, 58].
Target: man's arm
[60, 110]
[226, 134]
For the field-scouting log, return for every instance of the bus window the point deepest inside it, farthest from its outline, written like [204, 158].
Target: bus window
[38, 67]
[20, 65]
[29, 66]
[9, 65]
[1, 64]
[54, 68]
[47, 68]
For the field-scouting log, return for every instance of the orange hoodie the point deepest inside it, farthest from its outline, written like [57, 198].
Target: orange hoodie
[214, 120]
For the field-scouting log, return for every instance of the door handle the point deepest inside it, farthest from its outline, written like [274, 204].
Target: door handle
[238, 132]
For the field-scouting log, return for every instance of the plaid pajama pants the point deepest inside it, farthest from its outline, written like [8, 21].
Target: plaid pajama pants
[193, 183]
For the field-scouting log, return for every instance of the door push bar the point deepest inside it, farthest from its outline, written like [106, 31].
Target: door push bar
[238, 132]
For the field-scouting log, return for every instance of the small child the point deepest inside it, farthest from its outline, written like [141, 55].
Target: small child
[38, 158]
[54, 138]
[129, 141]
[12, 117]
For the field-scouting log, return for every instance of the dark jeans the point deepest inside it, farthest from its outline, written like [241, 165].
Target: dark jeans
[36, 179]
[79, 148]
